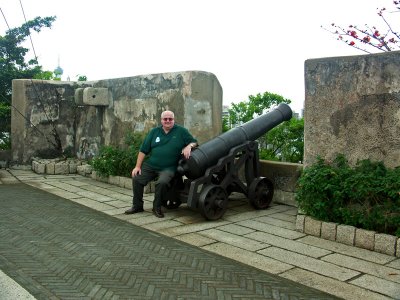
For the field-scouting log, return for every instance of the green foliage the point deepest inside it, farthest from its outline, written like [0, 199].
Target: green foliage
[116, 161]
[82, 77]
[366, 196]
[14, 66]
[12, 56]
[282, 143]
[225, 124]
[285, 142]
[5, 126]
[257, 105]
[46, 75]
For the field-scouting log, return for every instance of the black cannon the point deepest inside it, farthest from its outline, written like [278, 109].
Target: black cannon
[214, 169]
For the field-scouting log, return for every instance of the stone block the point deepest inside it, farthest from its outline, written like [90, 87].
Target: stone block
[312, 226]
[50, 167]
[345, 234]
[127, 182]
[34, 163]
[72, 167]
[81, 170]
[365, 239]
[39, 168]
[78, 96]
[398, 248]
[95, 96]
[114, 180]
[385, 243]
[300, 222]
[61, 168]
[328, 231]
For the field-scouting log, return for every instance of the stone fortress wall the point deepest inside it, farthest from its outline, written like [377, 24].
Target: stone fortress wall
[77, 118]
[352, 106]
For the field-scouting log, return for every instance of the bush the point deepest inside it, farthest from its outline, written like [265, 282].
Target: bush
[366, 196]
[114, 161]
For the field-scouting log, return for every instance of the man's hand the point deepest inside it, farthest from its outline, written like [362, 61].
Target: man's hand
[136, 171]
[187, 150]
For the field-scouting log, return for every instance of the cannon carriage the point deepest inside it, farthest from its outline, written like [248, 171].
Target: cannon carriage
[226, 164]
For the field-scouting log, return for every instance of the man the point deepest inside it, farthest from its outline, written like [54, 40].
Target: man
[166, 144]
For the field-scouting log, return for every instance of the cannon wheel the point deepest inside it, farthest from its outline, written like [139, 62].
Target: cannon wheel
[213, 202]
[261, 192]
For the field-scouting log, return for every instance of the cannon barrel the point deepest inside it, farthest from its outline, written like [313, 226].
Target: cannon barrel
[209, 153]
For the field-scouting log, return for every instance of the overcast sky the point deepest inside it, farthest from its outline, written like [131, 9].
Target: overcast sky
[252, 46]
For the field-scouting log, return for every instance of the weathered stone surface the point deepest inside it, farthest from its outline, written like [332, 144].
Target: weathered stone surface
[328, 230]
[61, 168]
[345, 234]
[95, 96]
[84, 169]
[50, 168]
[284, 175]
[127, 183]
[38, 167]
[398, 248]
[385, 243]
[114, 180]
[352, 107]
[300, 220]
[131, 104]
[73, 167]
[312, 226]
[365, 239]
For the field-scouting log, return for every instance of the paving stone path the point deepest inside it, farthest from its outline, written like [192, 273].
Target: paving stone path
[57, 249]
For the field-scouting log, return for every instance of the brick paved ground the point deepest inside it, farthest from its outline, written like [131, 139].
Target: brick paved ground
[58, 249]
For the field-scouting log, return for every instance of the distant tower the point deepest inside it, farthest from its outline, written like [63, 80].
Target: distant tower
[58, 71]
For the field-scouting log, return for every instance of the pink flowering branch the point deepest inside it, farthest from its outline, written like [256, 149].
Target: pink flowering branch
[369, 37]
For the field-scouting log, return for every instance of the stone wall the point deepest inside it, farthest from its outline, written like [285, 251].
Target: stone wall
[352, 106]
[77, 118]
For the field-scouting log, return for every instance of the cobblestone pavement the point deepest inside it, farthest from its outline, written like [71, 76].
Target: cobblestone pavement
[61, 249]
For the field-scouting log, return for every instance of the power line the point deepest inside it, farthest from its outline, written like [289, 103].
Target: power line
[30, 36]
[4, 17]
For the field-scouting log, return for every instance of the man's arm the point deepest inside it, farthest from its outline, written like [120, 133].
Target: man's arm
[138, 168]
[188, 149]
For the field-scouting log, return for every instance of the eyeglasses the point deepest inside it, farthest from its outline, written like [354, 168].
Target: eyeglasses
[168, 119]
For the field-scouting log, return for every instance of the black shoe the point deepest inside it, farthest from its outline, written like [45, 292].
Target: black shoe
[134, 211]
[158, 213]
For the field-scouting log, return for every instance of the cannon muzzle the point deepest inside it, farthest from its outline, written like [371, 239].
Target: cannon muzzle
[209, 153]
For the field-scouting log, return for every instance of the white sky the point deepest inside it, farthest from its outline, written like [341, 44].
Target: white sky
[252, 46]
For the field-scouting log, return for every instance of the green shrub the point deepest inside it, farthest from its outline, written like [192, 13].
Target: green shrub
[116, 161]
[366, 196]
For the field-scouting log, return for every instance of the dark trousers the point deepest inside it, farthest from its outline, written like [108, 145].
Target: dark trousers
[140, 181]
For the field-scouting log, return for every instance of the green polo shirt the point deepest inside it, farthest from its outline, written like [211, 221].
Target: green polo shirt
[165, 148]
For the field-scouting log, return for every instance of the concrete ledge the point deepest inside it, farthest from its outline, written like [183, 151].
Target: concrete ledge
[349, 235]
[284, 176]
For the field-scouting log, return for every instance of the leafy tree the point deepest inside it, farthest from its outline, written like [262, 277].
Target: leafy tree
[368, 37]
[284, 142]
[14, 66]
[243, 112]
